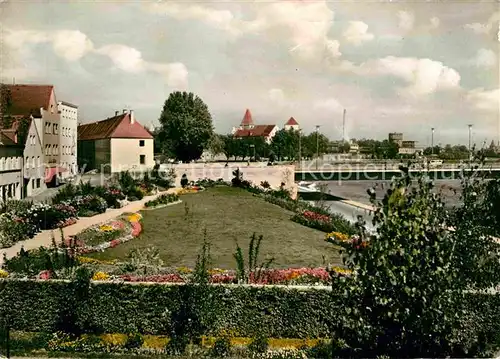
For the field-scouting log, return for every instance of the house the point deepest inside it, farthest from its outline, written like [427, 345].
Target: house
[292, 124]
[247, 128]
[116, 144]
[67, 137]
[35, 107]
[11, 166]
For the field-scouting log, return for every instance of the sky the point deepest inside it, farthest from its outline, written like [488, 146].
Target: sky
[395, 66]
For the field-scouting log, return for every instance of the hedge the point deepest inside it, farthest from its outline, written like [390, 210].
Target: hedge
[157, 309]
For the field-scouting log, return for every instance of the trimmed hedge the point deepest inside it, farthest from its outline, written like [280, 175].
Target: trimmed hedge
[49, 306]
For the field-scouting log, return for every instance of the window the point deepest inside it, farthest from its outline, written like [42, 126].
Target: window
[141, 143]
[38, 183]
[33, 184]
[142, 159]
[54, 129]
[33, 163]
[38, 161]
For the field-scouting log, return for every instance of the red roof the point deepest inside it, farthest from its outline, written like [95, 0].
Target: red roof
[114, 127]
[28, 99]
[257, 131]
[291, 122]
[247, 119]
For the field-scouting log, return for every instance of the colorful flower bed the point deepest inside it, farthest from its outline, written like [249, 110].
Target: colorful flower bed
[346, 241]
[323, 222]
[109, 234]
[162, 200]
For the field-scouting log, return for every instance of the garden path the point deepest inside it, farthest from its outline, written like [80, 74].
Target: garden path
[44, 238]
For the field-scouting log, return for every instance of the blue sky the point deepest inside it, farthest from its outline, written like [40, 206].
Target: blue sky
[395, 65]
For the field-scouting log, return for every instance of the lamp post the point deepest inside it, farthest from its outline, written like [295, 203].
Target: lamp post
[300, 148]
[470, 137]
[317, 145]
[432, 141]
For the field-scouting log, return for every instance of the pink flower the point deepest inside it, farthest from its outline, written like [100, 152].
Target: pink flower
[136, 229]
[44, 275]
[114, 243]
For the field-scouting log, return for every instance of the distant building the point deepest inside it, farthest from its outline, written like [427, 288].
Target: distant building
[67, 137]
[11, 167]
[408, 144]
[292, 124]
[396, 137]
[247, 128]
[116, 144]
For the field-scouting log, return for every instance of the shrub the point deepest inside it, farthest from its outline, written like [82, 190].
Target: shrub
[135, 194]
[221, 348]
[127, 182]
[259, 345]
[253, 270]
[162, 199]
[134, 341]
[89, 204]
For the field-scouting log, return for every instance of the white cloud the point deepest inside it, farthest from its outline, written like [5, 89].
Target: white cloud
[423, 76]
[125, 58]
[175, 74]
[71, 45]
[17, 39]
[485, 58]
[328, 105]
[277, 96]
[304, 25]
[406, 20]
[435, 22]
[486, 100]
[485, 28]
[357, 33]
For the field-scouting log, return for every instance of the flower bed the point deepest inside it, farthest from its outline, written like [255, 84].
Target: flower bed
[109, 234]
[322, 222]
[162, 201]
[346, 241]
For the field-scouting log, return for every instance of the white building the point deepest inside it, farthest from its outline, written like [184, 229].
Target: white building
[292, 124]
[11, 166]
[35, 171]
[68, 137]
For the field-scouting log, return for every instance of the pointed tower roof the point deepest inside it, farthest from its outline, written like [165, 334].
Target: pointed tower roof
[247, 119]
[291, 122]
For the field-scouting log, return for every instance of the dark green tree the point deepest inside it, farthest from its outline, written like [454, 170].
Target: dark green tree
[186, 126]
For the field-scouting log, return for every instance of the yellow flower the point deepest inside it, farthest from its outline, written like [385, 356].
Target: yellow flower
[114, 339]
[134, 217]
[100, 276]
[89, 260]
[106, 228]
[3, 274]
[338, 236]
[343, 271]
[184, 270]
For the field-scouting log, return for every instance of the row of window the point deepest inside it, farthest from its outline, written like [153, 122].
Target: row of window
[10, 163]
[68, 111]
[34, 163]
[51, 128]
[37, 181]
[66, 132]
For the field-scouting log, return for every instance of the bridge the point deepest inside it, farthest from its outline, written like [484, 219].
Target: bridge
[365, 173]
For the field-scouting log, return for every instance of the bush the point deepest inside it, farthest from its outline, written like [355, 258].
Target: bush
[134, 341]
[259, 344]
[89, 204]
[184, 181]
[135, 194]
[221, 348]
[162, 199]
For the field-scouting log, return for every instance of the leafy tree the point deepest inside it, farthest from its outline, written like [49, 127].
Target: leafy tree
[345, 147]
[406, 296]
[216, 145]
[312, 142]
[186, 126]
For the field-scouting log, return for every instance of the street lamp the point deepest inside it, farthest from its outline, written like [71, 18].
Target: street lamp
[432, 141]
[470, 137]
[317, 145]
[300, 148]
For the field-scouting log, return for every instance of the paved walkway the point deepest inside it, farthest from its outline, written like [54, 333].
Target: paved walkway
[44, 238]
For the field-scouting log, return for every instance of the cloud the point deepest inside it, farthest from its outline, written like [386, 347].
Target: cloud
[485, 28]
[125, 58]
[328, 105]
[485, 58]
[71, 45]
[406, 20]
[485, 100]
[303, 25]
[423, 76]
[357, 33]
[277, 96]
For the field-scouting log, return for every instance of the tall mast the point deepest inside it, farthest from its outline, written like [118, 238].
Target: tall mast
[343, 126]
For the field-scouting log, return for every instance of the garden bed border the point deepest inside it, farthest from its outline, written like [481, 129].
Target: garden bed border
[161, 206]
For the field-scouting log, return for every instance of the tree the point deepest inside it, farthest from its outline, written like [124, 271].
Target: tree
[405, 297]
[186, 126]
[216, 145]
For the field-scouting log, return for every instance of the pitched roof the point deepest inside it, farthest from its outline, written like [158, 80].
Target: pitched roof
[28, 99]
[247, 119]
[291, 122]
[257, 131]
[114, 127]
[8, 138]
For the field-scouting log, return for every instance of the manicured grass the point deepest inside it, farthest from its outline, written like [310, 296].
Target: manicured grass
[228, 214]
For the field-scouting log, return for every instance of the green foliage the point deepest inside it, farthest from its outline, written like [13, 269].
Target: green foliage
[259, 344]
[409, 278]
[147, 260]
[244, 147]
[162, 200]
[186, 126]
[221, 348]
[253, 270]
[238, 180]
[134, 341]
[201, 273]
[184, 180]
[127, 183]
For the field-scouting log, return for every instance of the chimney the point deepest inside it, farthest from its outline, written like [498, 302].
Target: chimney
[116, 113]
[132, 117]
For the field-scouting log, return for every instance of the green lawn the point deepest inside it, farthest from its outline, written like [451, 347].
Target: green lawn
[228, 214]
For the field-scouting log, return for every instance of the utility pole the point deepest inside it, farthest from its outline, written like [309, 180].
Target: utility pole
[343, 126]
[300, 148]
[432, 141]
[317, 145]
[470, 137]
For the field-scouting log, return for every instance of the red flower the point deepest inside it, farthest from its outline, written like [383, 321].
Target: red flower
[44, 275]
[114, 243]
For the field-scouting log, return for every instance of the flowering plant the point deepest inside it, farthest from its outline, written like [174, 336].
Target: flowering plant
[3, 274]
[100, 276]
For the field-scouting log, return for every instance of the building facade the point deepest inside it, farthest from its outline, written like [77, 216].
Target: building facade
[116, 144]
[292, 124]
[247, 128]
[11, 169]
[35, 170]
[68, 137]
